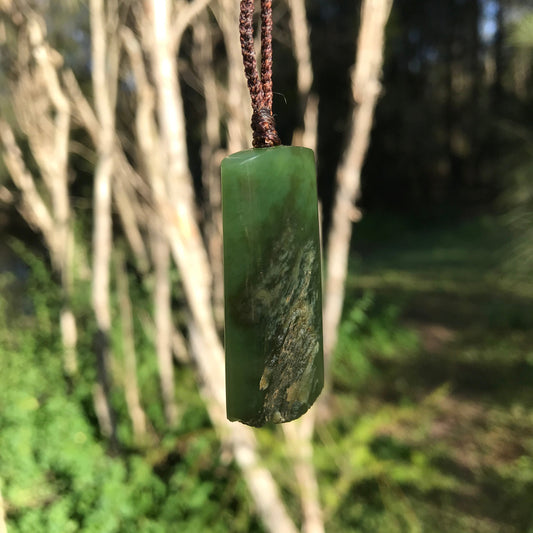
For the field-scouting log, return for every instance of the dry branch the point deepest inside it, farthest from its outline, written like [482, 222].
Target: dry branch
[365, 88]
[237, 115]
[307, 135]
[211, 154]
[183, 15]
[33, 208]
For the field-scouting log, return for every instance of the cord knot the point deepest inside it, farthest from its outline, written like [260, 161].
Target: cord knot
[264, 128]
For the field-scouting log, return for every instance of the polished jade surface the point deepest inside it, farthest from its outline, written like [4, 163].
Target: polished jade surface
[272, 284]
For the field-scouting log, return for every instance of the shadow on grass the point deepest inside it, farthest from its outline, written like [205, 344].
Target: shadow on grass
[443, 317]
[481, 345]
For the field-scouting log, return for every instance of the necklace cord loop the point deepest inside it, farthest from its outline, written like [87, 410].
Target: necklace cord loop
[263, 124]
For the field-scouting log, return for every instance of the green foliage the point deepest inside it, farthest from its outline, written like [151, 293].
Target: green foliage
[366, 331]
[369, 468]
[427, 427]
[56, 473]
[377, 470]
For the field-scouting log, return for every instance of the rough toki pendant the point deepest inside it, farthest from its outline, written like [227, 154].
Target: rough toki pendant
[272, 284]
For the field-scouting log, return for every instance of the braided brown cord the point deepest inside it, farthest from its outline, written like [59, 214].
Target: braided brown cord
[263, 125]
[266, 52]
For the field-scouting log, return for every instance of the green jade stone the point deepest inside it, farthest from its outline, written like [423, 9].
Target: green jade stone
[272, 283]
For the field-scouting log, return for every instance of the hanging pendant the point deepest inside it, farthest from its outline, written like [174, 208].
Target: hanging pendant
[272, 284]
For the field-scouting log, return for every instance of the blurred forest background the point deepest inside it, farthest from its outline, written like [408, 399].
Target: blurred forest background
[114, 117]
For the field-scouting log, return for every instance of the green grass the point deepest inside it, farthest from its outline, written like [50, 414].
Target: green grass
[428, 426]
[435, 367]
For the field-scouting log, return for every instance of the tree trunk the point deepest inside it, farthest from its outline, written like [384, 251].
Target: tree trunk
[306, 135]
[211, 156]
[163, 323]
[299, 434]
[238, 114]
[366, 88]
[102, 63]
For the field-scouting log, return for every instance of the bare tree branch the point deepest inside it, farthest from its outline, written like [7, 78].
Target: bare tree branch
[102, 229]
[6, 196]
[85, 113]
[183, 16]
[147, 138]
[307, 136]
[127, 182]
[163, 323]
[34, 209]
[365, 88]
[298, 435]
[43, 113]
[211, 154]
[55, 172]
[242, 444]
[133, 214]
[179, 347]
[237, 115]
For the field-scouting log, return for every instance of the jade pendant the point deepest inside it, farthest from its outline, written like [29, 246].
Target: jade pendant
[272, 284]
